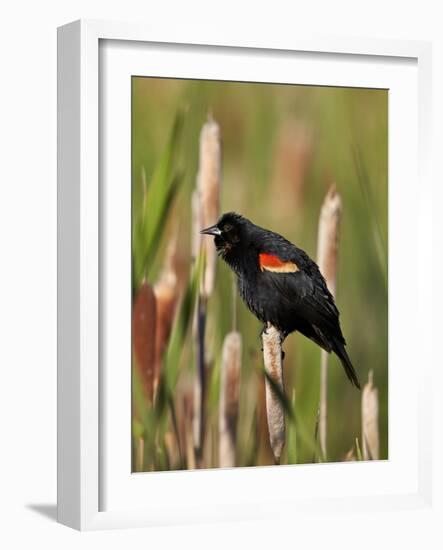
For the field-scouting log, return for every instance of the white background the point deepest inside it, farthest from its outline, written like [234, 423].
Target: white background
[28, 260]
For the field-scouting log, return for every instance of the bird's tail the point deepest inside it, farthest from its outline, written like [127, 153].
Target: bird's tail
[341, 353]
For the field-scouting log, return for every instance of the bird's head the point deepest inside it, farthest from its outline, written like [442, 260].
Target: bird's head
[230, 234]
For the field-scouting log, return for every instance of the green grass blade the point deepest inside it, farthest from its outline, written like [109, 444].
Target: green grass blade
[160, 195]
[145, 245]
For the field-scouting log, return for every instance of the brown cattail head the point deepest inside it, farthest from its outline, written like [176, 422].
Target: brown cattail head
[196, 243]
[327, 248]
[328, 229]
[166, 294]
[272, 356]
[229, 398]
[292, 160]
[197, 224]
[208, 189]
[369, 417]
[143, 330]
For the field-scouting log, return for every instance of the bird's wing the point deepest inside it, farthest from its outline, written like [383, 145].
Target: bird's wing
[301, 284]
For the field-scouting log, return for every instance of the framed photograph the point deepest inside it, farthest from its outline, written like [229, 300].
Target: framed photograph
[235, 225]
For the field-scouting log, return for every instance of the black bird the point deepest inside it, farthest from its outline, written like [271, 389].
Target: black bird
[280, 284]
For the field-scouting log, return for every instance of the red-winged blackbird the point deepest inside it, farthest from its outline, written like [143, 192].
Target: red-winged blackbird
[280, 284]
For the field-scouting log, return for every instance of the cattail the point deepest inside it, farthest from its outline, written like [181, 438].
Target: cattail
[328, 230]
[229, 398]
[143, 330]
[273, 360]
[206, 210]
[166, 294]
[197, 225]
[264, 451]
[369, 418]
[292, 161]
[208, 188]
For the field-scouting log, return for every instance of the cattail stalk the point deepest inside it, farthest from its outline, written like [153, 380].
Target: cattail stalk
[206, 210]
[229, 398]
[144, 330]
[328, 231]
[208, 188]
[264, 451]
[273, 361]
[369, 416]
[198, 422]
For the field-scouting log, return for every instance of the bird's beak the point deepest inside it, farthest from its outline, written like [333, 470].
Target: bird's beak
[213, 230]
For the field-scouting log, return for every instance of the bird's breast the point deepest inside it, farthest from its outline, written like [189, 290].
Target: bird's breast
[262, 298]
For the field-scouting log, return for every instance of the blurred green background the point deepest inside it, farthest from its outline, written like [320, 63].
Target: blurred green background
[283, 146]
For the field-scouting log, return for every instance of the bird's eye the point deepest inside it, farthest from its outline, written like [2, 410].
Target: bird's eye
[227, 227]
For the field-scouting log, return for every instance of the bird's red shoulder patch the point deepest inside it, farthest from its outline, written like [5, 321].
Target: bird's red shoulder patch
[273, 263]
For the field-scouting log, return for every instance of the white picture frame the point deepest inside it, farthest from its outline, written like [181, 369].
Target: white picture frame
[81, 413]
